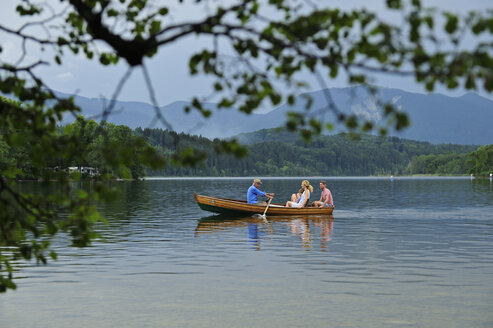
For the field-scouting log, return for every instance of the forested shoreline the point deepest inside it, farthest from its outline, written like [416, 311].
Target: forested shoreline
[270, 153]
[274, 153]
[102, 147]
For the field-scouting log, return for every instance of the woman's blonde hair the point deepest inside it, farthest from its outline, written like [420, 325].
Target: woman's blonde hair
[306, 183]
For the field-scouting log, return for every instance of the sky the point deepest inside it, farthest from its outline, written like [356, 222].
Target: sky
[169, 68]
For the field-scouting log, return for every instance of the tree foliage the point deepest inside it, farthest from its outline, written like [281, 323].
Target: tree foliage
[114, 150]
[478, 162]
[258, 53]
[481, 161]
[43, 151]
[450, 163]
[273, 153]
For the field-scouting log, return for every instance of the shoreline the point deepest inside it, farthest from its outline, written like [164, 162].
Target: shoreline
[369, 177]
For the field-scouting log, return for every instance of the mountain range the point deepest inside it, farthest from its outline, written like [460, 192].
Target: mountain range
[435, 118]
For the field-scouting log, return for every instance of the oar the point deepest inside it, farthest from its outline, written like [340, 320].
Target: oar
[268, 203]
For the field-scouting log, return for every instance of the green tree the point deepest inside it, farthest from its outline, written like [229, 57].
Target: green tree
[258, 50]
[114, 150]
[444, 164]
[482, 161]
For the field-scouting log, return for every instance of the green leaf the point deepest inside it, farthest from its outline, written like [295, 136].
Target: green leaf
[452, 23]
[155, 27]
[163, 11]
[334, 69]
[316, 125]
[53, 255]
[470, 81]
[352, 122]
[218, 86]
[402, 121]
[112, 12]
[394, 4]
[28, 9]
[488, 83]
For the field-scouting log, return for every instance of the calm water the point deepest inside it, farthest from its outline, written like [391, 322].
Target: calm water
[403, 253]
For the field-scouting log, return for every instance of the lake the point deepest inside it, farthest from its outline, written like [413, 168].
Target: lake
[412, 252]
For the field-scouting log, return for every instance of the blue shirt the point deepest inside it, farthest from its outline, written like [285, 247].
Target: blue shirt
[253, 193]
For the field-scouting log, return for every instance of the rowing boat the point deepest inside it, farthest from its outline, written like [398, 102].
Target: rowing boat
[241, 207]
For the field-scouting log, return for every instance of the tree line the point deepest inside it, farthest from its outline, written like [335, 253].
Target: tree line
[270, 153]
[478, 162]
[274, 153]
[105, 147]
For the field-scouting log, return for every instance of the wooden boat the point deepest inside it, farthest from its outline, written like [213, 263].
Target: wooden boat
[241, 207]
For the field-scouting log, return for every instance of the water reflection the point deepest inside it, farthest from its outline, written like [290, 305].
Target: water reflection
[257, 228]
[301, 228]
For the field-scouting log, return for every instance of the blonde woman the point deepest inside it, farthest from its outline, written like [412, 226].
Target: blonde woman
[305, 197]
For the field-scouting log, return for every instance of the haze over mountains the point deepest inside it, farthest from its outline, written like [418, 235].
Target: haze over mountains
[435, 118]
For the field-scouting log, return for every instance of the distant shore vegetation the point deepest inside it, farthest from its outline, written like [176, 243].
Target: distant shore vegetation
[270, 153]
[280, 153]
[103, 149]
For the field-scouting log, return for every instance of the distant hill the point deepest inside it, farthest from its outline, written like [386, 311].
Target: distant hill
[224, 123]
[435, 118]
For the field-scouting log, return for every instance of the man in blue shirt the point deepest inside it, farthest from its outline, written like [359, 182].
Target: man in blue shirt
[254, 192]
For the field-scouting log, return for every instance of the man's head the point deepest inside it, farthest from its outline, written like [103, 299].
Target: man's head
[257, 182]
[323, 184]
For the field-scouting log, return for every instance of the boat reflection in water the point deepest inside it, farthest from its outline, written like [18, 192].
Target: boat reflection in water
[307, 228]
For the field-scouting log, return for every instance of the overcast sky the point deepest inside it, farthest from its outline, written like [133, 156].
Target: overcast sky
[169, 69]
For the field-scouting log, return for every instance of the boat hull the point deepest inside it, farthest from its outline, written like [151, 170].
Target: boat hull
[239, 207]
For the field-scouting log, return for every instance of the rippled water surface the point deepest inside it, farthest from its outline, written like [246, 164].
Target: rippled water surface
[402, 253]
